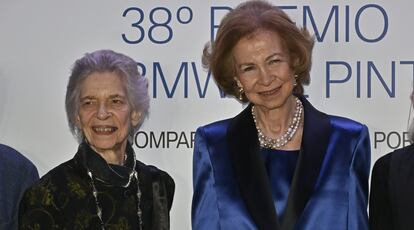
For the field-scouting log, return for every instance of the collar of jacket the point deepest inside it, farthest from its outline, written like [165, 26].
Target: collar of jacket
[113, 175]
[250, 171]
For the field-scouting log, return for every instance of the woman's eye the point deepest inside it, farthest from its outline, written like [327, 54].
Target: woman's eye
[274, 61]
[117, 101]
[247, 69]
[87, 103]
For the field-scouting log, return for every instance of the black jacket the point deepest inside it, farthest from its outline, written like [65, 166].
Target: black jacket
[63, 198]
[392, 191]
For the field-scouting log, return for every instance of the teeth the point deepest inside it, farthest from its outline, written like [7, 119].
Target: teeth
[103, 129]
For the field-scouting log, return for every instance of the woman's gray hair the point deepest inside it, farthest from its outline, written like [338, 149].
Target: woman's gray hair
[102, 61]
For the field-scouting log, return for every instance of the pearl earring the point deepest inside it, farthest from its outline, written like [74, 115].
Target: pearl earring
[241, 92]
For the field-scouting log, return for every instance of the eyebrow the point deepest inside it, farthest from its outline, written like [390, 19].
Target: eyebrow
[266, 59]
[110, 97]
[274, 55]
[245, 64]
[116, 96]
[87, 98]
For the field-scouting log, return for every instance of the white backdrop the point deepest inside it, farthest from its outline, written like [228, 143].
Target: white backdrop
[363, 69]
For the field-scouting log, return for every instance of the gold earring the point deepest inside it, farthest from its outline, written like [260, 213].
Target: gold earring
[241, 92]
[295, 83]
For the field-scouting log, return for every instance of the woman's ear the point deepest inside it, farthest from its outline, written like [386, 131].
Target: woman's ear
[135, 118]
[77, 122]
[238, 82]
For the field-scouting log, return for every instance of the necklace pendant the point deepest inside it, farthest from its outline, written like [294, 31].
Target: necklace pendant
[99, 213]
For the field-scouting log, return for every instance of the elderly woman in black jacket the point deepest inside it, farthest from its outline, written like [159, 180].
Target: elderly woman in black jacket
[103, 186]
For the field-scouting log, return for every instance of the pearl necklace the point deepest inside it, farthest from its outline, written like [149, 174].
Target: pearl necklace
[267, 142]
[133, 174]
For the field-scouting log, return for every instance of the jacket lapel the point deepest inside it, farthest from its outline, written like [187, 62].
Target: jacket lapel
[316, 134]
[250, 172]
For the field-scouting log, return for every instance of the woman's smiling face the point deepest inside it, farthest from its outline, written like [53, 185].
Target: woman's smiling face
[263, 69]
[105, 115]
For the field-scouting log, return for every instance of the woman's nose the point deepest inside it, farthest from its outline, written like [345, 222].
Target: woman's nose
[103, 112]
[266, 76]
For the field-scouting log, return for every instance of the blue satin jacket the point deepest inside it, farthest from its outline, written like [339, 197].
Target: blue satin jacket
[329, 188]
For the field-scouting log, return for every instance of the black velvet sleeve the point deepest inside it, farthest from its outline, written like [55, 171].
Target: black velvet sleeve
[170, 188]
[157, 196]
[380, 210]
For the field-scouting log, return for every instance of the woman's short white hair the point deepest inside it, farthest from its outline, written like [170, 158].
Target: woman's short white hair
[106, 61]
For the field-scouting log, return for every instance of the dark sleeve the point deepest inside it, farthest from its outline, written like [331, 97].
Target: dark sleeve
[162, 187]
[17, 173]
[169, 187]
[39, 207]
[31, 175]
[25, 210]
[36, 210]
[380, 213]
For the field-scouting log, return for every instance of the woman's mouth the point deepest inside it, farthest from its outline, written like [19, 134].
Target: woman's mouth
[104, 130]
[270, 92]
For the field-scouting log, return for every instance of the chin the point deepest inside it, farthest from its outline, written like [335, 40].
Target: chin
[109, 144]
[103, 146]
[276, 102]
[105, 143]
[269, 105]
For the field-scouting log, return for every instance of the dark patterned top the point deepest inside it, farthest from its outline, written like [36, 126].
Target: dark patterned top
[63, 198]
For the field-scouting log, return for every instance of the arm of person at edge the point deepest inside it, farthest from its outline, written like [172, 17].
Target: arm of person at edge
[380, 215]
[32, 176]
[204, 211]
[358, 189]
[26, 176]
